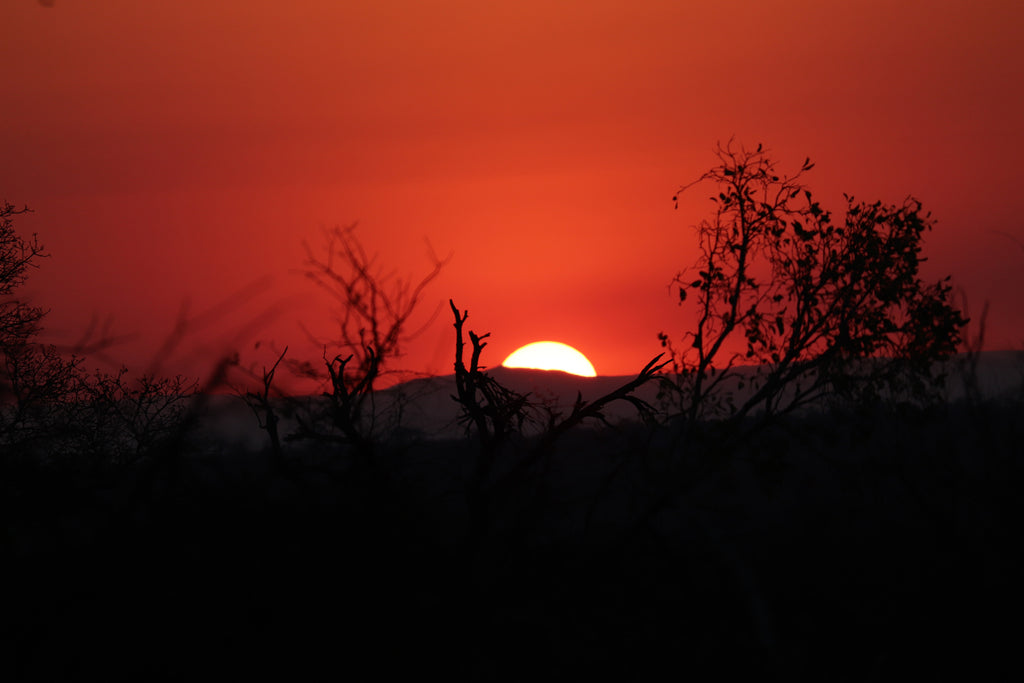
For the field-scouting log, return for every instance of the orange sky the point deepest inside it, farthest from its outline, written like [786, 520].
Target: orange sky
[182, 151]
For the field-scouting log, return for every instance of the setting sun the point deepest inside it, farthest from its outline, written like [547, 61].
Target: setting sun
[549, 355]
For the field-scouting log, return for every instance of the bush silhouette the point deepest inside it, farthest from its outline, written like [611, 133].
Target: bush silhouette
[824, 309]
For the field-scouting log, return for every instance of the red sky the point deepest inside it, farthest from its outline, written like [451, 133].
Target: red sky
[183, 151]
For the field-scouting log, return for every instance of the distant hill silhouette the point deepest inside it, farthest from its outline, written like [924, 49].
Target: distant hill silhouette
[429, 410]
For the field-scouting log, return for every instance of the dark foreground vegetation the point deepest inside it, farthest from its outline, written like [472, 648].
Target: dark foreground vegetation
[847, 547]
[795, 494]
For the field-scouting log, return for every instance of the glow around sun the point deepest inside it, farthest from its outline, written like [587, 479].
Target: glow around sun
[549, 355]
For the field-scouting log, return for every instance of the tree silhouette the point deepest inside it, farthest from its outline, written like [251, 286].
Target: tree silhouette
[497, 414]
[373, 306]
[50, 407]
[822, 309]
[33, 377]
[494, 411]
[372, 312]
[19, 322]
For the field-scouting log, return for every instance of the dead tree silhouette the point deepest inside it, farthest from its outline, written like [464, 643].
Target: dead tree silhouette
[373, 309]
[496, 413]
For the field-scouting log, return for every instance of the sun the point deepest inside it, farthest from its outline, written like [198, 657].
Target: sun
[550, 355]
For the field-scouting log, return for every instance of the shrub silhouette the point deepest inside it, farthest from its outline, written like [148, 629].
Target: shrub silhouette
[121, 420]
[823, 309]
